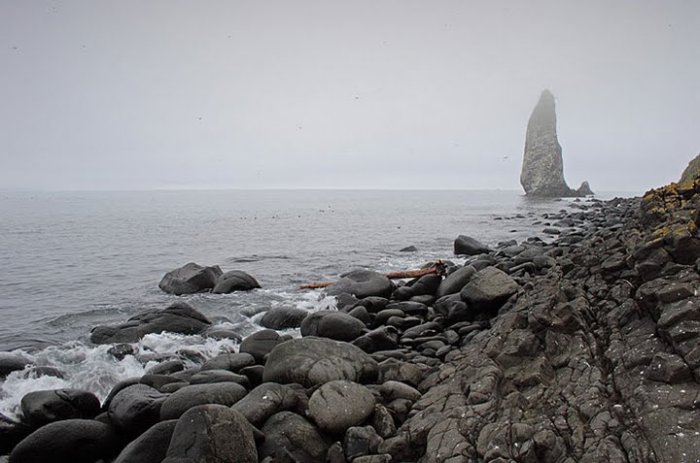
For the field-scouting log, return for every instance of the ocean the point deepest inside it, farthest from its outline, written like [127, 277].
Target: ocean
[74, 260]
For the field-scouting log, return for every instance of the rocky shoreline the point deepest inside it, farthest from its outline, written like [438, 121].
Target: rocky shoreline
[584, 349]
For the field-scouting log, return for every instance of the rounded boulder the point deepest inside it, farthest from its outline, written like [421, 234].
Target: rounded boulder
[338, 405]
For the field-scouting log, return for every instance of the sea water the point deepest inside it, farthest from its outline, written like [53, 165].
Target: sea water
[74, 260]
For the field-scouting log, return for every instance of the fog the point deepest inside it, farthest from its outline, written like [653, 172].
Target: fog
[327, 94]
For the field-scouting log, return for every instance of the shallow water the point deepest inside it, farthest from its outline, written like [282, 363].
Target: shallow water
[73, 260]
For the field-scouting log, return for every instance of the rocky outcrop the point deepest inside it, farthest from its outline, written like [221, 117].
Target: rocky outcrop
[691, 172]
[542, 173]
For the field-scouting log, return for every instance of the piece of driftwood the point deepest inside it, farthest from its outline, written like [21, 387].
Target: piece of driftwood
[438, 269]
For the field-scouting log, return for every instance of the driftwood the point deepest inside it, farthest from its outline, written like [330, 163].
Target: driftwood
[438, 269]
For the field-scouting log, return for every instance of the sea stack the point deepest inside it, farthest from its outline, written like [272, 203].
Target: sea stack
[542, 174]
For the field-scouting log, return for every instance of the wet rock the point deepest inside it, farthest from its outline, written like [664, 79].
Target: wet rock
[229, 361]
[281, 318]
[382, 338]
[313, 361]
[290, 437]
[219, 376]
[235, 280]
[260, 343]
[151, 446]
[67, 441]
[177, 318]
[10, 362]
[266, 400]
[209, 433]
[11, 433]
[190, 278]
[488, 289]
[455, 281]
[333, 325]
[338, 405]
[469, 246]
[360, 441]
[361, 284]
[166, 368]
[135, 409]
[221, 333]
[120, 351]
[43, 407]
[200, 394]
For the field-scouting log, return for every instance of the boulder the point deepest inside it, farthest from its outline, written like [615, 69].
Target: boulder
[190, 278]
[229, 361]
[542, 174]
[260, 343]
[67, 441]
[178, 318]
[10, 362]
[361, 284]
[314, 361]
[281, 318]
[360, 441]
[290, 437]
[11, 432]
[332, 324]
[219, 376]
[149, 447]
[382, 338]
[338, 405]
[466, 245]
[135, 409]
[212, 433]
[200, 394]
[266, 400]
[455, 281]
[488, 289]
[235, 280]
[43, 407]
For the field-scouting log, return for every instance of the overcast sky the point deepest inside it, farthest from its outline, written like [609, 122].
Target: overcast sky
[135, 94]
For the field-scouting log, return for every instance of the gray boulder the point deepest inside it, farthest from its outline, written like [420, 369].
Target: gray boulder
[260, 343]
[67, 441]
[332, 324]
[11, 432]
[200, 394]
[10, 362]
[43, 407]
[314, 361]
[212, 433]
[235, 280]
[135, 409]
[229, 361]
[361, 284]
[455, 281]
[149, 447]
[338, 405]
[178, 318]
[488, 289]
[542, 173]
[280, 318]
[190, 278]
[466, 245]
[290, 437]
[266, 400]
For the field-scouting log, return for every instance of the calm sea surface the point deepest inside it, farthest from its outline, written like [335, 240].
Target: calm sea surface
[73, 260]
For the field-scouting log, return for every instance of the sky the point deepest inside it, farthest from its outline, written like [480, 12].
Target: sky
[135, 94]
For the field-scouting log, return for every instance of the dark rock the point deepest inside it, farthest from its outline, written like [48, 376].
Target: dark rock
[219, 376]
[383, 422]
[43, 407]
[409, 249]
[254, 373]
[382, 338]
[177, 318]
[135, 409]
[200, 394]
[166, 368]
[158, 381]
[455, 281]
[361, 314]
[67, 441]
[190, 278]
[290, 437]
[281, 318]
[151, 446]
[542, 173]
[360, 441]
[229, 361]
[260, 343]
[426, 285]
[409, 308]
[10, 362]
[392, 390]
[11, 433]
[120, 351]
[235, 280]
[373, 304]
[453, 309]
[488, 289]
[212, 433]
[361, 284]
[338, 405]
[221, 333]
[266, 400]
[331, 324]
[313, 361]
[469, 246]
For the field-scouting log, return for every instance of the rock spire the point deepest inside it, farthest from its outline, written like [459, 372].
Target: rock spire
[542, 173]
